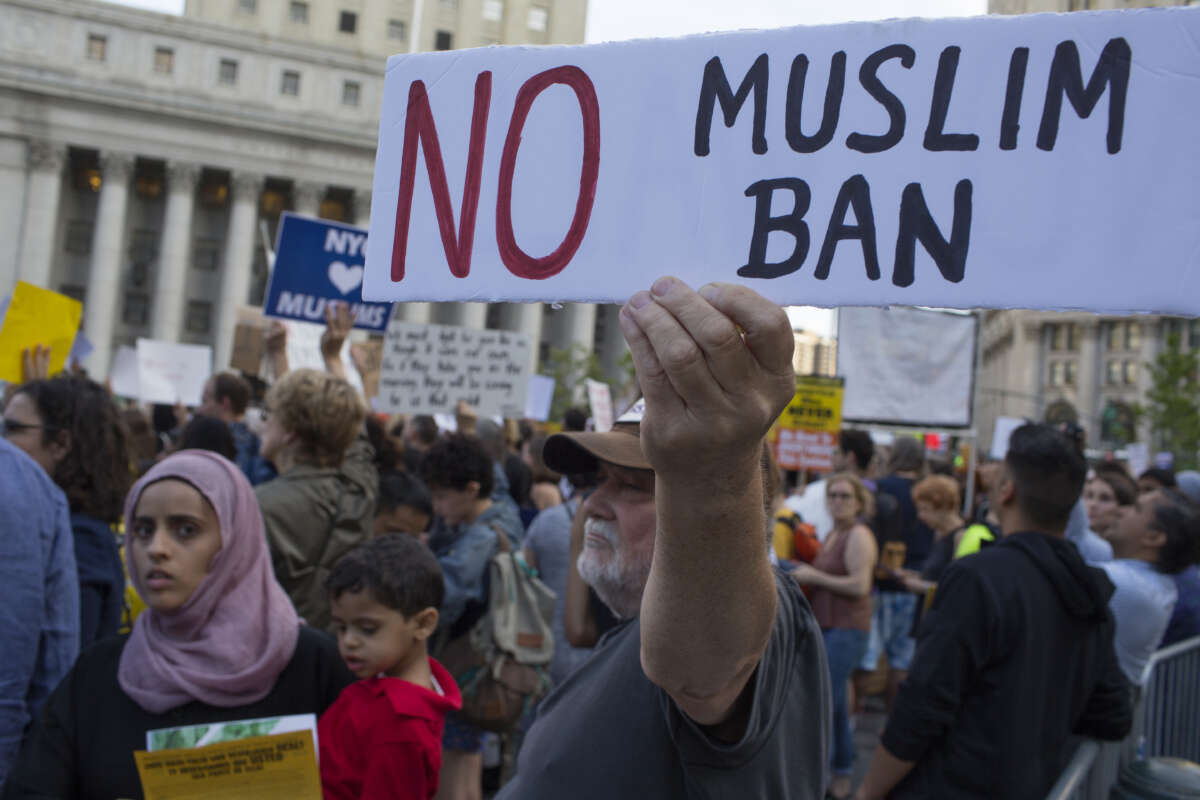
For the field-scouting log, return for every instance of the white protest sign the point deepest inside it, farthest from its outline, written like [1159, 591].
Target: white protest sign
[539, 397]
[600, 400]
[123, 377]
[1001, 433]
[304, 351]
[906, 366]
[172, 373]
[1037, 161]
[1137, 455]
[428, 369]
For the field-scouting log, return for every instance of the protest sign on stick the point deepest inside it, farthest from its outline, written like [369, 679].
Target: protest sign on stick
[37, 316]
[1034, 161]
[429, 369]
[600, 400]
[317, 261]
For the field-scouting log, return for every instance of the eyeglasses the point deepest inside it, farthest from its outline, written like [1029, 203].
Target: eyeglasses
[840, 496]
[11, 427]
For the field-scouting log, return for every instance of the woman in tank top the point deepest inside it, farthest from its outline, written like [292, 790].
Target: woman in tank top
[838, 584]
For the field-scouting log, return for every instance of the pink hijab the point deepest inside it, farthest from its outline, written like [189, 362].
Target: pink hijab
[228, 643]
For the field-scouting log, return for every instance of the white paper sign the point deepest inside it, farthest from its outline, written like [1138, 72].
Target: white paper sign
[906, 366]
[600, 399]
[539, 397]
[304, 351]
[172, 373]
[428, 369]
[1002, 433]
[1138, 457]
[123, 377]
[1038, 161]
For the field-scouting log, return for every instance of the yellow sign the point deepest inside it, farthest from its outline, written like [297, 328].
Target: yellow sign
[37, 316]
[817, 406]
[278, 767]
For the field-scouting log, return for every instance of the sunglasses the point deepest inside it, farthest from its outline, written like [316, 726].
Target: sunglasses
[11, 427]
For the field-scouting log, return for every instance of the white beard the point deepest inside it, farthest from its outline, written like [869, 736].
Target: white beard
[618, 580]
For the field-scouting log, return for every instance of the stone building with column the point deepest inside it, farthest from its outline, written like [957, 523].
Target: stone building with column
[1072, 366]
[145, 157]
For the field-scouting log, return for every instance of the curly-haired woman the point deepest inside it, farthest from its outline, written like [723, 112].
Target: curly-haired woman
[71, 426]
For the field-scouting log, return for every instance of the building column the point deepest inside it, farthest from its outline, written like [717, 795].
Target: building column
[362, 208]
[1087, 381]
[237, 263]
[36, 253]
[307, 196]
[100, 307]
[525, 318]
[176, 244]
[580, 325]
[416, 313]
[14, 169]
[463, 315]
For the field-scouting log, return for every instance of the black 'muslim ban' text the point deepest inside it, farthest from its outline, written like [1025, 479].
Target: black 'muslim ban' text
[1064, 80]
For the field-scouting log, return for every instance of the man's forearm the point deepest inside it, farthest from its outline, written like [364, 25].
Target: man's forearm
[885, 772]
[709, 604]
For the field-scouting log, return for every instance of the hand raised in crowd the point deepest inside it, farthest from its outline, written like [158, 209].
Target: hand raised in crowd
[275, 343]
[715, 367]
[36, 362]
[466, 417]
[338, 324]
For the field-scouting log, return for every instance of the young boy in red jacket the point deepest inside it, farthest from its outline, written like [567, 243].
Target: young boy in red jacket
[382, 739]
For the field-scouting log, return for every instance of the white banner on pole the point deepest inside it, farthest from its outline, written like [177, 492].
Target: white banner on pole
[600, 400]
[1035, 161]
[906, 366]
[428, 369]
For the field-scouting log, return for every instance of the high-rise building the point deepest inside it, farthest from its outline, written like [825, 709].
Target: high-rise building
[145, 156]
[814, 354]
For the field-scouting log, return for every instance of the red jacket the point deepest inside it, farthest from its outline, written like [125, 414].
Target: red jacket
[382, 738]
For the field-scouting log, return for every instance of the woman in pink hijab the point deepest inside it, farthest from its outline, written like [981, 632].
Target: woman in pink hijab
[219, 640]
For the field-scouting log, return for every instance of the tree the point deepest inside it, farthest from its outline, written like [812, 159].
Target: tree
[570, 366]
[1173, 406]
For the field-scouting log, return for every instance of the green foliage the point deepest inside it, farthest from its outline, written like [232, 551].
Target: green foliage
[571, 366]
[1173, 406]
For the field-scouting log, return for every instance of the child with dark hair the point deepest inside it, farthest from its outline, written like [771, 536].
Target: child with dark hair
[404, 505]
[383, 736]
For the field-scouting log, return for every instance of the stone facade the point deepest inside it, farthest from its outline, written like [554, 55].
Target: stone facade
[145, 156]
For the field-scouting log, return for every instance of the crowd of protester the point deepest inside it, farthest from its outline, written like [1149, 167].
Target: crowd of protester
[280, 551]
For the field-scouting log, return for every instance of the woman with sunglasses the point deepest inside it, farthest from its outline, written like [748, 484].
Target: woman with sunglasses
[71, 427]
[219, 641]
[839, 582]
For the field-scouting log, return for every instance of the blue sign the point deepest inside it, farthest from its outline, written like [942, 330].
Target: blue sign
[317, 261]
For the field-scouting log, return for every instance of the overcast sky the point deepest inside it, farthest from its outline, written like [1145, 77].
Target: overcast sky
[610, 20]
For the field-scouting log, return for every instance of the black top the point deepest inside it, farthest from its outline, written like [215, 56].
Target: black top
[1014, 656]
[101, 579]
[916, 535]
[608, 732]
[81, 747]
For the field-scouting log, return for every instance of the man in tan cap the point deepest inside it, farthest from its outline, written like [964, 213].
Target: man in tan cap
[714, 685]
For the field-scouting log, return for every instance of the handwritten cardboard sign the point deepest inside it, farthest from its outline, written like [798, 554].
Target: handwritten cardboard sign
[37, 316]
[172, 373]
[278, 767]
[1033, 161]
[317, 261]
[428, 369]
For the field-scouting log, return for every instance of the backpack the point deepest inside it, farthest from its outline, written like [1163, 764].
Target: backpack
[805, 543]
[501, 663]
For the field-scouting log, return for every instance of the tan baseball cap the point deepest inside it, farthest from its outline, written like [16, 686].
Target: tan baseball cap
[582, 451]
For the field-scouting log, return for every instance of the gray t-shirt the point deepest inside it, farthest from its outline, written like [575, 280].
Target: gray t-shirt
[609, 732]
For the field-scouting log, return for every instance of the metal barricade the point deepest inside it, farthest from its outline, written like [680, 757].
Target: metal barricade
[1166, 722]
[1170, 724]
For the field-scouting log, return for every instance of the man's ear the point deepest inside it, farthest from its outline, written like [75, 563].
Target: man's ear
[426, 623]
[1154, 538]
[1008, 491]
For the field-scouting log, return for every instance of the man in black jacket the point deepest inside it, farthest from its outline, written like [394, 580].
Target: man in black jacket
[1016, 654]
